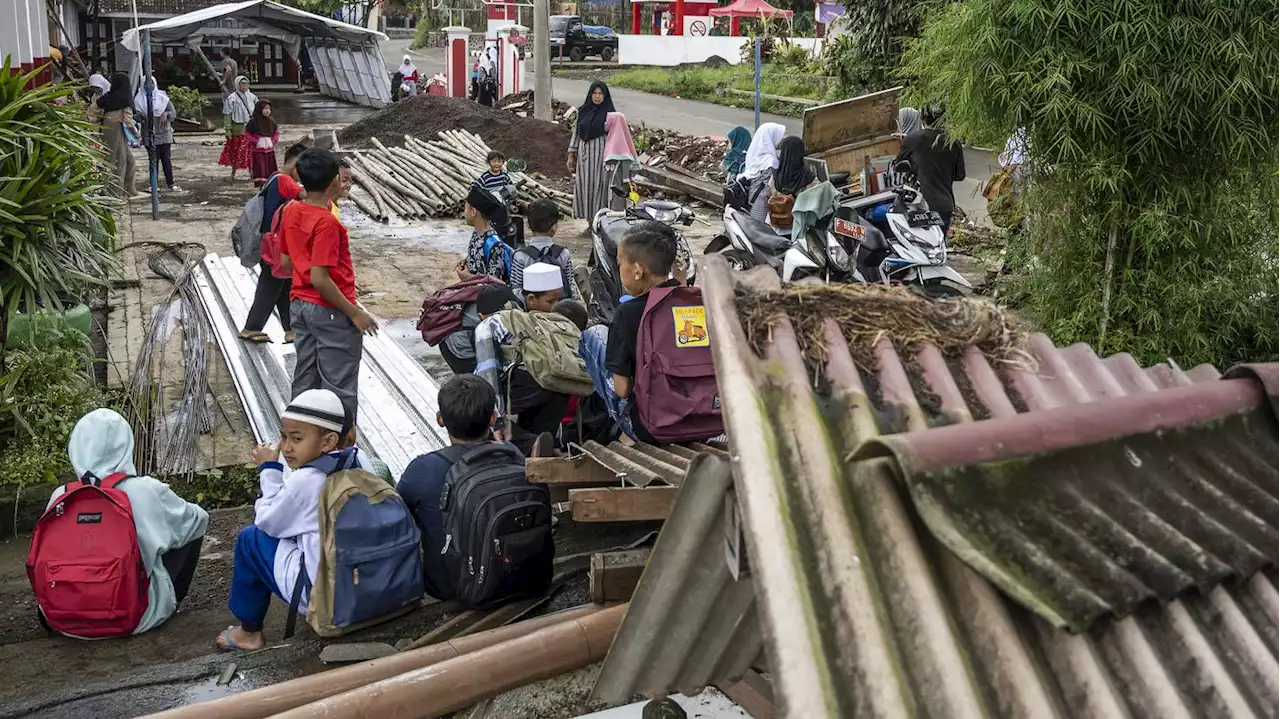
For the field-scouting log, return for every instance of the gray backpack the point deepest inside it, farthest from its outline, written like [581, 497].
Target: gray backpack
[246, 235]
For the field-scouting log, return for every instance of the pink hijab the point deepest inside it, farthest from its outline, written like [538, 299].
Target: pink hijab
[617, 139]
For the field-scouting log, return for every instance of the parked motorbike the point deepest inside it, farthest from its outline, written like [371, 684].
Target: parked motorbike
[607, 230]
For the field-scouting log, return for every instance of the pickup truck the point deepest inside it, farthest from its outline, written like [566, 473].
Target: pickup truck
[575, 41]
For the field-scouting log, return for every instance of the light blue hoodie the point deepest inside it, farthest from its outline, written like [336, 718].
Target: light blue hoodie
[102, 444]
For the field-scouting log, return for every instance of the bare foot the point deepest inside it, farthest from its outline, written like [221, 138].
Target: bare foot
[626, 441]
[237, 639]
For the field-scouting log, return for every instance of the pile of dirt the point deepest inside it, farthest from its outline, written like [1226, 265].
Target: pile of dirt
[868, 313]
[541, 145]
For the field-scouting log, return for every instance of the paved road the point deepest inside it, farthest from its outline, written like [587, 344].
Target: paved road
[700, 118]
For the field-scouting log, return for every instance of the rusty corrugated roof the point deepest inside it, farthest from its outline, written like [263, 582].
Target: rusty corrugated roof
[866, 615]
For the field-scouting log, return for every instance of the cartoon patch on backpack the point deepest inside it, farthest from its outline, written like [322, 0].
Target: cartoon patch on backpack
[691, 326]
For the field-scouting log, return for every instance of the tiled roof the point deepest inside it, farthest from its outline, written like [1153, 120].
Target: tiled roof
[866, 614]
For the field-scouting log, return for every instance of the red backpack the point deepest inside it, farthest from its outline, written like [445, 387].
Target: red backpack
[271, 246]
[442, 311]
[675, 391]
[84, 564]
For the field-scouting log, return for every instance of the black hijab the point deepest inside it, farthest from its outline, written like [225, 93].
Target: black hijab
[791, 176]
[591, 116]
[260, 124]
[119, 96]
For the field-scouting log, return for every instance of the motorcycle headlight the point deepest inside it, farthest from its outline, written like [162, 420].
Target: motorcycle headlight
[664, 216]
[838, 256]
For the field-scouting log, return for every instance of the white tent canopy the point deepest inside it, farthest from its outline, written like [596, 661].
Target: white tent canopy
[345, 57]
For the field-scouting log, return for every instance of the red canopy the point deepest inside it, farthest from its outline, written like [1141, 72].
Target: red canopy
[749, 8]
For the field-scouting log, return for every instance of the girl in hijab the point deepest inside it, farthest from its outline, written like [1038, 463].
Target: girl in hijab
[261, 136]
[586, 153]
[908, 122]
[735, 159]
[762, 157]
[237, 110]
[97, 86]
[163, 114]
[619, 156]
[487, 79]
[790, 177]
[114, 109]
[408, 77]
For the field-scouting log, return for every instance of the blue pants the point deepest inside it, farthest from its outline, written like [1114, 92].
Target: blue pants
[592, 349]
[253, 577]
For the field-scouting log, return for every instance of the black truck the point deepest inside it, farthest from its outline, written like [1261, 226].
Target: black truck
[572, 40]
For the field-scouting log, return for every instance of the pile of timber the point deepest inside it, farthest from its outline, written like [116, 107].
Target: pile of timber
[431, 179]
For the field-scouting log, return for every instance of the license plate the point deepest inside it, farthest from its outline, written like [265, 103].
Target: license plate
[923, 218]
[850, 229]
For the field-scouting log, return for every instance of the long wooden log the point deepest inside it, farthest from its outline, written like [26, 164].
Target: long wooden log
[408, 174]
[381, 174]
[389, 196]
[366, 205]
[357, 174]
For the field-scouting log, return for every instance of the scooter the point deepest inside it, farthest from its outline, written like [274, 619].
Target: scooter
[607, 229]
[747, 243]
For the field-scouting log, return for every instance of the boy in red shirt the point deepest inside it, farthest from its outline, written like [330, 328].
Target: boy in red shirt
[330, 327]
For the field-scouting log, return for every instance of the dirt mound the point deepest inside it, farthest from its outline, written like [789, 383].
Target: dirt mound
[540, 144]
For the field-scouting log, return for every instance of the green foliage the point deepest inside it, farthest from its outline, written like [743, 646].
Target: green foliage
[188, 102]
[47, 388]
[232, 486]
[1152, 162]
[56, 227]
[866, 58]
[709, 84]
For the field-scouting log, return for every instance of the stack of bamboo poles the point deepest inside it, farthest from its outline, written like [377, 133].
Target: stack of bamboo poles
[431, 179]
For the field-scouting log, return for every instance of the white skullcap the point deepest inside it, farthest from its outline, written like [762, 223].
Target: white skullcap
[543, 277]
[320, 407]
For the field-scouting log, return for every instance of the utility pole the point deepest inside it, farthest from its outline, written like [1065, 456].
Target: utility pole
[542, 60]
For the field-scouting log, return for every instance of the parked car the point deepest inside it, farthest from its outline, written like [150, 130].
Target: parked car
[571, 39]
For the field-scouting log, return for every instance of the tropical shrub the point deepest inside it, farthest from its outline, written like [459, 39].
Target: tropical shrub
[47, 388]
[56, 229]
[188, 102]
[1152, 162]
[867, 57]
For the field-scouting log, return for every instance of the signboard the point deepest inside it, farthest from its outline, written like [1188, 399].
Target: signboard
[696, 26]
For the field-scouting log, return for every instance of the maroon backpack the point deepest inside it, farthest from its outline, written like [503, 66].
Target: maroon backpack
[675, 388]
[442, 312]
[84, 563]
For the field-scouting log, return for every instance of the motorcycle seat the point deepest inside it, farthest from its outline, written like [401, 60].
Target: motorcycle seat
[763, 235]
[661, 205]
[611, 233]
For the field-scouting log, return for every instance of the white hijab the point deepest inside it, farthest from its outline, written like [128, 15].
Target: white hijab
[762, 154]
[159, 100]
[487, 62]
[100, 82]
[407, 68]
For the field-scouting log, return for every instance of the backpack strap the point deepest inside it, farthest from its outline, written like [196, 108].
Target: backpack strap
[111, 480]
[334, 461]
[304, 582]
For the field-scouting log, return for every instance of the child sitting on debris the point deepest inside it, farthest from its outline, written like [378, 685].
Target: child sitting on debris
[285, 529]
[619, 357]
[544, 218]
[459, 348]
[169, 529]
[329, 326]
[468, 411]
[487, 254]
[513, 344]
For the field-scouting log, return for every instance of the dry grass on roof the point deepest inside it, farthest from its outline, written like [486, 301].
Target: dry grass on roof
[868, 313]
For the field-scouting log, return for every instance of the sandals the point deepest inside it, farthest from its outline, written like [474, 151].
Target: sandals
[228, 644]
[255, 337]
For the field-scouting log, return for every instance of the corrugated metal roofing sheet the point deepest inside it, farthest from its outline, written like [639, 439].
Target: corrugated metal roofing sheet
[866, 614]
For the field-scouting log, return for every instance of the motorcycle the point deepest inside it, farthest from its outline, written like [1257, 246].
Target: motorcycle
[607, 230]
[748, 243]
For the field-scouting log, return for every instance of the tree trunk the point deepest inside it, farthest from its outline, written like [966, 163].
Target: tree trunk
[1106, 289]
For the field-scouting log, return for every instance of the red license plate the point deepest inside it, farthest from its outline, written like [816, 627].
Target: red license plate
[850, 229]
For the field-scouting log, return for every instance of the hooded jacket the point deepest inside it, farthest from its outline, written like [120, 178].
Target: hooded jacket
[102, 444]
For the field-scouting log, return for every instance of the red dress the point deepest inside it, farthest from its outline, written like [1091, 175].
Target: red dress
[262, 163]
[236, 151]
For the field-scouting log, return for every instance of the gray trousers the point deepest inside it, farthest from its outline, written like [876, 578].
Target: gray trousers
[329, 347]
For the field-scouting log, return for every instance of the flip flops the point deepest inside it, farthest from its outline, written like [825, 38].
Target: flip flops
[256, 337]
[228, 644]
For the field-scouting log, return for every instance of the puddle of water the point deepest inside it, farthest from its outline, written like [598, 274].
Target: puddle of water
[405, 334]
[299, 109]
[445, 235]
[207, 689]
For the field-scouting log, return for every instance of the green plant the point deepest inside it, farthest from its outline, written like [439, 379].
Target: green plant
[869, 54]
[56, 228]
[47, 388]
[188, 102]
[1151, 157]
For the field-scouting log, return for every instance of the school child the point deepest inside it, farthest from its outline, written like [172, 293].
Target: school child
[662, 317]
[272, 292]
[468, 410]
[530, 358]
[487, 253]
[169, 533]
[495, 180]
[459, 348]
[329, 327]
[269, 552]
[544, 219]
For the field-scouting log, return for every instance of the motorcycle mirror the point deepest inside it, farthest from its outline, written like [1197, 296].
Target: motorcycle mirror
[515, 164]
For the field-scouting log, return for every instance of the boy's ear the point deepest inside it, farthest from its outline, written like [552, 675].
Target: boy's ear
[440, 419]
[493, 418]
[331, 441]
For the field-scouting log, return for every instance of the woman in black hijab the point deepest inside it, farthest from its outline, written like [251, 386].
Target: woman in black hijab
[586, 153]
[791, 176]
[114, 110]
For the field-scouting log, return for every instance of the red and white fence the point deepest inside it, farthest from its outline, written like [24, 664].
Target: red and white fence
[25, 37]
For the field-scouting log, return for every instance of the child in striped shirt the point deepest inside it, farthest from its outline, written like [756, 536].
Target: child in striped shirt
[496, 179]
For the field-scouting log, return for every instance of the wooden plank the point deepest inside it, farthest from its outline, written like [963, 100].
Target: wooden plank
[780, 98]
[614, 575]
[563, 470]
[708, 192]
[622, 504]
[856, 155]
[754, 694]
[853, 120]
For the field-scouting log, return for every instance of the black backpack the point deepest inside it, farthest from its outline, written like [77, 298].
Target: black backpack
[497, 530]
[551, 256]
[738, 195]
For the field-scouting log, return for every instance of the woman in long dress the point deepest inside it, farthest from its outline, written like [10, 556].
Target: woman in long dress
[619, 157]
[762, 158]
[586, 153]
[114, 110]
[237, 110]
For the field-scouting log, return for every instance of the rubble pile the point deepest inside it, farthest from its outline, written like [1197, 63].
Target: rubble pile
[702, 155]
[521, 103]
